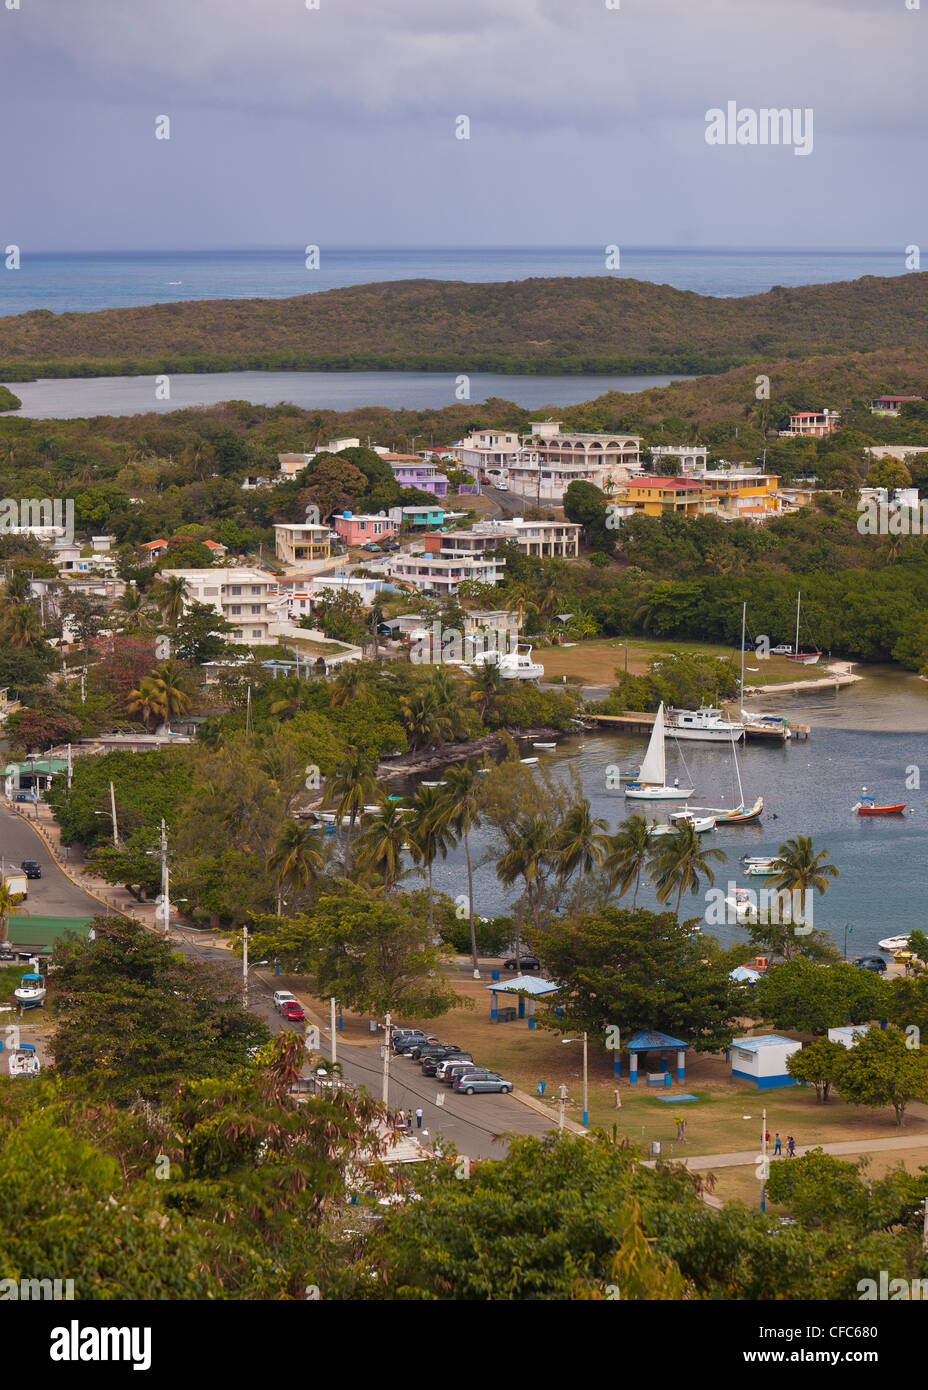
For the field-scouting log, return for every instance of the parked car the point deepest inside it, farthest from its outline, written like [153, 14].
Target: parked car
[292, 1011]
[282, 996]
[452, 1070]
[529, 962]
[470, 1084]
[372, 547]
[876, 963]
[782, 650]
[402, 1039]
[427, 1049]
[441, 1071]
[468, 1070]
[31, 869]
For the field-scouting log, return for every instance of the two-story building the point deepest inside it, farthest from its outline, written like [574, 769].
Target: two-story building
[692, 458]
[812, 424]
[544, 539]
[443, 575]
[296, 542]
[653, 496]
[891, 405]
[410, 470]
[744, 494]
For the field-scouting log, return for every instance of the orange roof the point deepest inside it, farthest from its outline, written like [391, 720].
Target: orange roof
[214, 545]
[668, 482]
[150, 545]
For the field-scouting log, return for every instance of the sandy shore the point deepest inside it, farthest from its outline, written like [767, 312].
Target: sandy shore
[840, 673]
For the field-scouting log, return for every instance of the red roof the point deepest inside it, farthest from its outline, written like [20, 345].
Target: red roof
[899, 398]
[800, 414]
[214, 545]
[150, 545]
[668, 481]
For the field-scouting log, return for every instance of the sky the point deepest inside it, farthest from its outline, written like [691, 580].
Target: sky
[336, 126]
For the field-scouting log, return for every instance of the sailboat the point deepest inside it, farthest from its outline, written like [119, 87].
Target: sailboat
[652, 775]
[740, 814]
[804, 658]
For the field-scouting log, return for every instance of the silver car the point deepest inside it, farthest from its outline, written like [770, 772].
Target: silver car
[450, 1069]
[469, 1082]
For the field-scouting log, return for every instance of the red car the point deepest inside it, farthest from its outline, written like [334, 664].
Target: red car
[292, 1011]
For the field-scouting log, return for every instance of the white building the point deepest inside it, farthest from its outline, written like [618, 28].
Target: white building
[693, 458]
[443, 575]
[763, 1060]
[244, 596]
[298, 542]
[848, 1035]
[545, 539]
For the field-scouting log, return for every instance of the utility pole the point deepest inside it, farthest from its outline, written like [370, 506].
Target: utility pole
[165, 880]
[113, 813]
[331, 1026]
[70, 769]
[244, 967]
[561, 1102]
[385, 1095]
[763, 1151]
[585, 1082]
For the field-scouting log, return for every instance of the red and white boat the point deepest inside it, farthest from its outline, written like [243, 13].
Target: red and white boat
[802, 658]
[866, 806]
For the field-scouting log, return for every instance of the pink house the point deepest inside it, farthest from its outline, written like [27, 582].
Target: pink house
[360, 530]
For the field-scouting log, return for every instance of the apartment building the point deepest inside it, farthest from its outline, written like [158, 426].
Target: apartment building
[653, 496]
[244, 596]
[545, 539]
[443, 575]
[488, 453]
[744, 494]
[297, 542]
[542, 464]
[410, 470]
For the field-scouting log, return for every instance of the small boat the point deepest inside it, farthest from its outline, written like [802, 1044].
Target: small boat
[703, 725]
[809, 658]
[741, 815]
[699, 823]
[742, 902]
[431, 784]
[517, 665]
[31, 990]
[894, 943]
[23, 1061]
[756, 867]
[770, 727]
[652, 775]
[867, 806]
[544, 745]
[528, 761]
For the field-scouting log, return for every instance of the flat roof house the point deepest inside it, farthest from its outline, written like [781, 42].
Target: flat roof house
[295, 542]
[444, 574]
[360, 529]
[244, 596]
[812, 424]
[891, 405]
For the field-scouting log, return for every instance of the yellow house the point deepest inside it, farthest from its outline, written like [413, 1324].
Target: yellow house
[653, 496]
[743, 494]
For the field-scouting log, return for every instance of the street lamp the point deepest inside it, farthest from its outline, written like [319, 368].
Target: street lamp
[585, 1075]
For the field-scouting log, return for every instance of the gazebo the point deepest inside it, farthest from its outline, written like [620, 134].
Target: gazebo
[644, 1042]
[528, 988]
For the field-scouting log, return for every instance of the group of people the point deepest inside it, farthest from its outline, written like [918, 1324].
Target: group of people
[406, 1117]
[778, 1145]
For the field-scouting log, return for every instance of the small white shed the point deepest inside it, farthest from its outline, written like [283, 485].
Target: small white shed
[763, 1060]
[848, 1036]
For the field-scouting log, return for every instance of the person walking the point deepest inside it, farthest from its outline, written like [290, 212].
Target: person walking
[777, 1146]
[767, 1140]
[409, 1122]
[790, 1146]
[419, 1117]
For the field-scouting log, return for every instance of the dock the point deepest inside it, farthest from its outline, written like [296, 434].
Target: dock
[640, 722]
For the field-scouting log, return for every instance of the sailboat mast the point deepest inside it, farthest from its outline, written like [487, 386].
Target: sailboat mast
[798, 602]
[744, 615]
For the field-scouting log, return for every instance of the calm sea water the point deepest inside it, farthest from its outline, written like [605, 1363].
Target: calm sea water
[861, 737]
[78, 397]
[102, 280]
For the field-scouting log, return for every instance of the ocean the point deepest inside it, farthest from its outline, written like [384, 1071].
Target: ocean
[82, 281]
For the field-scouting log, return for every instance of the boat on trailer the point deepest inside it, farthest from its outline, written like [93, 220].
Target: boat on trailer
[31, 990]
[894, 943]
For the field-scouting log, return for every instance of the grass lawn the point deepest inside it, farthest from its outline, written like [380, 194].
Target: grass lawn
[740, 1184]
[716, 1122]
[596, 662]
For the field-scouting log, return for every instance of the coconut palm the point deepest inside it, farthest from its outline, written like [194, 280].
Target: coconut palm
[531, 850]
[461, 811]
[446, 689]
[133, 609]
[424, 720]
[169, 594]
[680, 862]
[296, 859]
[172, 686]
[428, 834]
[16, 589]
[485, 685]
[580, 842]
[800, 869]
[290, 699]
[9, 902]
[352, 785]
[381, 843]
[145, 702]
[22, 627]
[352, 680]
[626, 855]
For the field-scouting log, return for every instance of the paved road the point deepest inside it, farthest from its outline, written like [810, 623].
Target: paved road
[53, 895]
[471, 1123]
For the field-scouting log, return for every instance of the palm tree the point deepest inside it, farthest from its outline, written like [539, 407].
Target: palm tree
[680, 862]
[628, 850]
[352, 680]
[169, 595]
[381, 843]
[133, 609]
[447, 692]
[461, 811]
[531, 849]
[800, 869]
[22, 627]
[16, 588]
[296, 859]
[428, 834]
[423, 718]
[352, 785]
[290, 699]
[145, 702]
[486, 686]
[8, 903]
[580, 842]
[173, 690]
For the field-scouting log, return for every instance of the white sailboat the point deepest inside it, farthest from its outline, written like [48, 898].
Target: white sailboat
[740, 814]
[803, 658]
[652, 775]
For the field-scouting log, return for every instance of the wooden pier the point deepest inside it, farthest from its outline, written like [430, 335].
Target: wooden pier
[640, 722]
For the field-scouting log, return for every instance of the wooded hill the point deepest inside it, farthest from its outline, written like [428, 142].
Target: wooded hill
[577, 325]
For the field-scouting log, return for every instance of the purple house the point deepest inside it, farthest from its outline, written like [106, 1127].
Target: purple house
[410, 470]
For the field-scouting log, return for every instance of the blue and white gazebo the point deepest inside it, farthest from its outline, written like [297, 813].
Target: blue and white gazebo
[644, 1042]
[528, 988]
